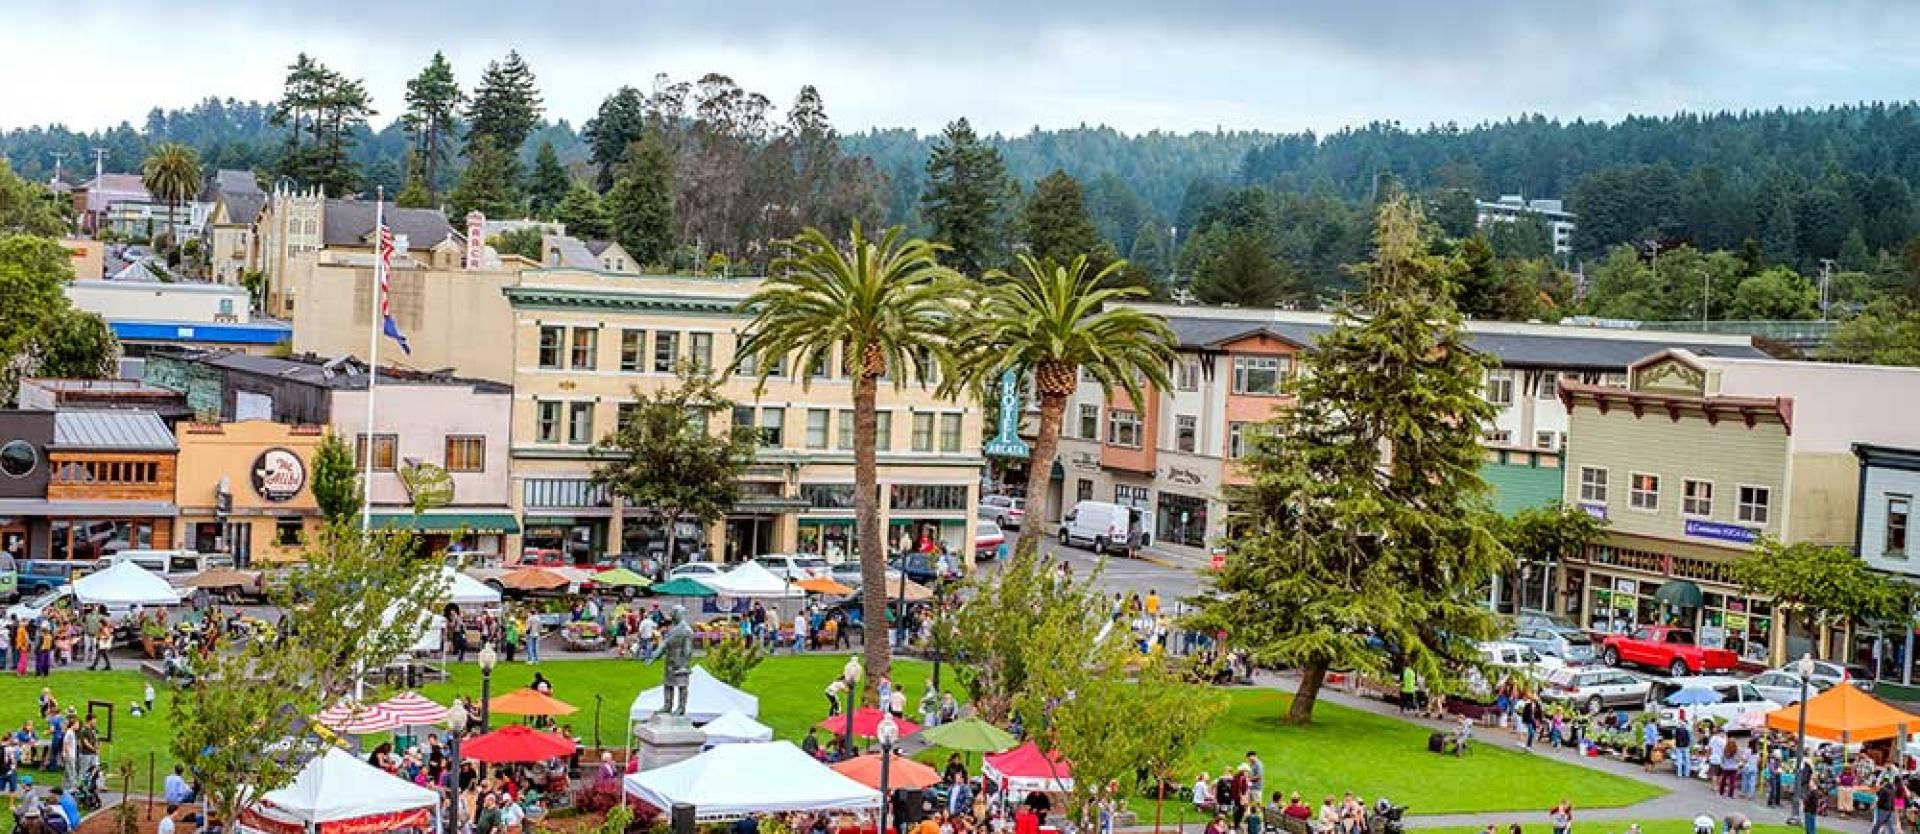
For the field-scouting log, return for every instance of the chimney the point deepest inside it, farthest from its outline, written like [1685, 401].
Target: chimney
[476, 244]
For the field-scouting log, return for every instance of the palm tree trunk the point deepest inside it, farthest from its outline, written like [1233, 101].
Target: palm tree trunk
[872, 544]
[1046, 444]
[1312, 674]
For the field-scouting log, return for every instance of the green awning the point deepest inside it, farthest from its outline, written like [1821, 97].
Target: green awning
[1679, 593]
[682, 587]
[480, 523]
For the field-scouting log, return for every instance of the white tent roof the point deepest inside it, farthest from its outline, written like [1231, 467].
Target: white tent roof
[732, 781]
[124, 585]
[466, 590]
[750, 580]
[736, 728]
[708, 698]
[339, 786]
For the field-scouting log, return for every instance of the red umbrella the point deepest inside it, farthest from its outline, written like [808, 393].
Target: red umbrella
[866, 724]
[517, 743]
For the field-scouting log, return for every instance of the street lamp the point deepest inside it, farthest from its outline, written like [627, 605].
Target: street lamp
[889, 735]
[488, 657]
[1804, 666]
[456, 727]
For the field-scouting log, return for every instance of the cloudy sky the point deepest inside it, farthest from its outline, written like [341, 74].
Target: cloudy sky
[1136, 65]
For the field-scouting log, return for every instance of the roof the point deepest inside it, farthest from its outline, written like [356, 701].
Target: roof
[599, 246]
[1844, 714]
[1576, 349]
[341, 374]
[122, 430]
[131, 183]
[349, 222]
[1886, 457]
[230, 181]
[1714, 408]
[244, 207]
[572, 252]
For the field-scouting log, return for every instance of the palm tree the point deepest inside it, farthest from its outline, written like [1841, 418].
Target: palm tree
[1056, 321]
[886, 304]
[172, 174]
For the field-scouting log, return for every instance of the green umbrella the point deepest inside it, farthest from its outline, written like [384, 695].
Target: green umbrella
[971, 735]
[621, 578]
[682, 587]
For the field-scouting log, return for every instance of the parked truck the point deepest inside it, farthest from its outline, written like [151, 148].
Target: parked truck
[1670, 649]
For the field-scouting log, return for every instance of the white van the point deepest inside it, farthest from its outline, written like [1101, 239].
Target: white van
[170, 563]
[1105, 527]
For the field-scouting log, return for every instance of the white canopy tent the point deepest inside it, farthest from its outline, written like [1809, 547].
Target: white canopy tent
[339, 788]
[732, 781]
[464, 590]
[736, 728]
[124, 585]
[751, 580]
[708, 698]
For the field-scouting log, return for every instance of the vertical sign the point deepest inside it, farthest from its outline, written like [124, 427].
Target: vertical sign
[1007, 442]
[476, 238]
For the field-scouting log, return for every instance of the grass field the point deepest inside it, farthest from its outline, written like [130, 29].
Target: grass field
[1616, 827]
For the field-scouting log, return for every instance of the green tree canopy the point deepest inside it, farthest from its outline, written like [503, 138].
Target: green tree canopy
[1054, 224]
[433, 98]
[584, 215]
[1238, 268]
[967, 199]
[640, 208]
[1821, 584]
[548, 183]
[668, 458]
[1778, 293]
[505, 107]
[490, 184]
[1887, 332]
[336, 481]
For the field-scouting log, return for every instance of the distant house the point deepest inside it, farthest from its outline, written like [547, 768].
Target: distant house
[121, 203]
[233, 202]
[1513, 208]
[298, 230]
[564, 251]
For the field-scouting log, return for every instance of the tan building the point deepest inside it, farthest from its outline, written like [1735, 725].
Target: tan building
[245, 489]
[584, 340]
[299, 230]
[230, 235]
[453, 318]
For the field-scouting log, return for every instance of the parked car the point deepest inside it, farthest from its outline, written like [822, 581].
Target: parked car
[541, 557]
[1506, 659]
[795, 567]
[1105, 527]
[38, 576]
[1594, 688]
[923, 568]
[1827, 674]
[1783, 687]
[9, 577]
[1542, 619]
[696, 570]
[1739, 700]
[987, 539]
[1668, 648]
[1004, 510]
[1572, 646]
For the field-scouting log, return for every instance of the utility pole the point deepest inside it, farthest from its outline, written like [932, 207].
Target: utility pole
[57, 156]
[99, 162]
[1706, 296]
[1826, 276]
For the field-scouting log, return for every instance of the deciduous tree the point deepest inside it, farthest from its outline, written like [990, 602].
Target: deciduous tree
[667, 458]
[1821, 585]
[336, 481]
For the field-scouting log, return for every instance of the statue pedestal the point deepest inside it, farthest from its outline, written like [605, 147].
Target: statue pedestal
[665, 739]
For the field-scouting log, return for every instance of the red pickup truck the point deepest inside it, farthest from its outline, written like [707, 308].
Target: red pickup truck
[1667, 648]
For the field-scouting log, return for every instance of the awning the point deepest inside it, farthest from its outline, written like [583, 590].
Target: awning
[1679, 593]
[87, 509]
[482, 523]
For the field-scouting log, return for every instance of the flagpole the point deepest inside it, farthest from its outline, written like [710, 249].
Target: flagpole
[373, 354]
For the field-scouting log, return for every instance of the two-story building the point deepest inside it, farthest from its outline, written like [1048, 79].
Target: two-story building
[245, 489]
[81, 485]
[1889, 480]
[585, 341]
[1696, 459]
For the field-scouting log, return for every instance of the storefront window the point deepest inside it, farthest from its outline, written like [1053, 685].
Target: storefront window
[1181, 519]
[929, 497]
[832, 540]
[1736, 623]
[828, 496]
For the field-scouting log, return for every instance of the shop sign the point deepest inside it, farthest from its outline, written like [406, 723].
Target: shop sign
[1724, 532]
[1736, 622]
[278, 474]
[1626, 586]
[1183, 477]
[1598, 511]
[1085, 460]
[1007, 444]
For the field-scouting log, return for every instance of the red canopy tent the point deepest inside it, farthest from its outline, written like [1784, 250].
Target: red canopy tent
[1025, 769]
[866, 723]
[517, 743]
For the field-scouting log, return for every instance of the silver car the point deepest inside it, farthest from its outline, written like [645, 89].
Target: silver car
[1005, 510]
[1572, 646]
[1594, 688]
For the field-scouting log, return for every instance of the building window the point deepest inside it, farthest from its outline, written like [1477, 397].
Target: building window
[549, 421]
[19, 458]
[1500, 387]
[1545, 440]
[1643, 491]
[1898, 506]
[1497, 437]
[1089, 422]
[563, 492]
[1123, 428]
[1237, 440]
[772, 421]
[633, 347]
[828, 496]
[1593, 484]
[1181, 519]
[883, 431]
[1127, 495]
[580, 423]
[846, 429]
[929, 497]
[1186, 432]
[822, 365]
[1755, 504]
[666, 349]
[1549, 386]
[466, 453]
[551, 340]
[818, 420]
[385, 451]
[586, 347]
[700, 351]
[1083, 491]
[1186, 375]
[923, 432]
[949, 432]
[286, 531]
[1259, 375]
[1696, 498]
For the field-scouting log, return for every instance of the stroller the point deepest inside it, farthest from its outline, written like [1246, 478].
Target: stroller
[87, 793]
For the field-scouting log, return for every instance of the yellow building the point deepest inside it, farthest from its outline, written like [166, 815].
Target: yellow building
[246, 489]
[583, 341]
[453, 318]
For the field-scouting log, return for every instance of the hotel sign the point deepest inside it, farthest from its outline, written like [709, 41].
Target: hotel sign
[1724, 532]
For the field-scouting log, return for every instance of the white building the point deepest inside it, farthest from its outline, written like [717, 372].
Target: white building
[1512, 208]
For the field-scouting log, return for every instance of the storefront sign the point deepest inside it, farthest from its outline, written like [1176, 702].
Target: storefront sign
[1183, 477]
[1007, 444]
[278, 474]
[1626, 586]
[1724, 532]
[1736, 622]
[1085, 460]
[1598, 511]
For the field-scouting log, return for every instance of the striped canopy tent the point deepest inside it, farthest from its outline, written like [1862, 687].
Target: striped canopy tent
[413, 709]
[353, 718]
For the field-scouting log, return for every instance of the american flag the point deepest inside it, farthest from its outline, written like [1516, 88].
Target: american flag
[386, 309]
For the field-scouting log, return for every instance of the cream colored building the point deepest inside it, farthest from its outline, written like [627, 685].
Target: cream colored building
[453, 318]
[299, 230]
[583, 341]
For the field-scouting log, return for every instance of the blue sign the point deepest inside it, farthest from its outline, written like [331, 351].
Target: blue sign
[1724, 532]
[1598, 511]
[1007, 444]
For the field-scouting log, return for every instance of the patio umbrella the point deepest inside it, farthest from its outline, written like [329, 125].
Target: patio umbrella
[866, 723]
[356, 719]
[517, 743]
[823, 585]
[682, 587]
[971, 735]
[220, 578]
[414, 709]
[532, 579]
[621, 578]
[902, 772]
[529, 702]
[1693, 696]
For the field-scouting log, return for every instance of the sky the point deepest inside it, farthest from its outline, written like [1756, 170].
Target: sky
[1009, 66]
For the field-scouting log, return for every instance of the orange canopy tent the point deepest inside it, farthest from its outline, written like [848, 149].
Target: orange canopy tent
[823, 585]
[529, 702]
[902, 772]
[532, 579]
[1846, 715]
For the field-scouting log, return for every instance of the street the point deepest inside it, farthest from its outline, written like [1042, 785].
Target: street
[1174, 582]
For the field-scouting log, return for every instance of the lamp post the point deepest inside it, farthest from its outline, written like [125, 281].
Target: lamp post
[488, 657]
[456, 727]
[1804, 666]
[889, 735]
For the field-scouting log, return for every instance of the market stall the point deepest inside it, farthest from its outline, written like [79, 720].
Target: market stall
[123, 586]
[338, 793]
[730, 781]
[1024, 770]
[902, 772]
[708, 698]
[736, 728]
[750, 580]
[351, 718]
[1845, 715]
[866, 723]
[466, 591]
[517, 743]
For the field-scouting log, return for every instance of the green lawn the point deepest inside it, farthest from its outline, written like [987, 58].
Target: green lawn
[1617, 827]
[134, 738]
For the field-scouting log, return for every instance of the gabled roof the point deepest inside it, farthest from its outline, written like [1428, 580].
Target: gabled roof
[599, 246]
[130, 183]
[350, 222]
[573, 253]
[243, 208]
[230, 181]
[115, 430]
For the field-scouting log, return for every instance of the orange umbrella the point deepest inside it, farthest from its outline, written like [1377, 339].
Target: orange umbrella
[532, 579]
[823, 585]
[529, 702]
[902, 772]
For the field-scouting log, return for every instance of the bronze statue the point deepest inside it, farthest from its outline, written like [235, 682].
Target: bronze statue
[677, 648]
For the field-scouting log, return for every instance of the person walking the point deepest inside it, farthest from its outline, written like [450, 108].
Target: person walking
[1683, 750]
[533, 638]
[88, 748]
[1530, 718]
[102, 643]
[1883, 808]
[1809, 805]
[1409, 687]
